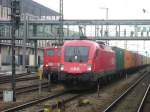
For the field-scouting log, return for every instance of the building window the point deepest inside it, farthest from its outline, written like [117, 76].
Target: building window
[0, 11]
[5, 12]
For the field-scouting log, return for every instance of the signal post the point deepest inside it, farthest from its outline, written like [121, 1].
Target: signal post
[15, 21]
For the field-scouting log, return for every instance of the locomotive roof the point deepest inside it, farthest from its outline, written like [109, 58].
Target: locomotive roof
[85, 41]
[88, 42]
[52, 47]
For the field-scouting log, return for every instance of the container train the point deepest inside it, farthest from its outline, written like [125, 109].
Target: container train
[85, 62]
[51, 62]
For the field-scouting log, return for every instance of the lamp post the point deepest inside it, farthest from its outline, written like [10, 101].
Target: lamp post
[107, 29]
[145, 11]
[146, 56]
[105, 8]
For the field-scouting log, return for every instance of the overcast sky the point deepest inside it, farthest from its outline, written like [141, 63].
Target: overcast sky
[118, 9]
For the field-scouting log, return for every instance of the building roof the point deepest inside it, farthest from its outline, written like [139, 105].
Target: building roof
[32, 7]
[37, 9]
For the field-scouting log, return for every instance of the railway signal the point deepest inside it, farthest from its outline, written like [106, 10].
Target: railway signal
[15, 21]
[15, 12]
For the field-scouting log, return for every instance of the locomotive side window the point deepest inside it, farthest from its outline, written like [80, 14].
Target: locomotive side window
[50, 53]
[76, 53]
[96, 53]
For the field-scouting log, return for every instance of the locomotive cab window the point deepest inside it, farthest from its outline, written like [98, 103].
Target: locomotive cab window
[76, 53]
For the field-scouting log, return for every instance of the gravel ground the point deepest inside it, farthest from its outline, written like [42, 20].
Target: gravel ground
[97, 104]
[30, 96]
[7, 86]
[50, 102]
[107, 96]
[146, 106]
[131, 102]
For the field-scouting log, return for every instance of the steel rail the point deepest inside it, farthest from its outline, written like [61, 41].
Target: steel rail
[64, 101]
[7, 79]
[112, 105]
[27, 89]
[143, 99]
[17, 75]
[33, 102]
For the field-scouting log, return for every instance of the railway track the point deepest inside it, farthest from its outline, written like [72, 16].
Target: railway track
[19, 77]
[34, 102]
[26, 89]
[65, 101]
[37, 101]
[65, 95]
[145, 103]
[8, 75]
[129, 101]
[70, 99]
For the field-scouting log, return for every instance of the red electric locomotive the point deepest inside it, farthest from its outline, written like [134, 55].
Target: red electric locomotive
[85, 62]
[51, 62]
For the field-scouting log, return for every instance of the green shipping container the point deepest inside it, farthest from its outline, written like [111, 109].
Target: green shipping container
[119, 58]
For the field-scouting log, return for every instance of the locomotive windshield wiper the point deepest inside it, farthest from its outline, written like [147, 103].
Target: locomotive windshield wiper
[78, 55]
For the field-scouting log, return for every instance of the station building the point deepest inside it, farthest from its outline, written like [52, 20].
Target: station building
[30, 10]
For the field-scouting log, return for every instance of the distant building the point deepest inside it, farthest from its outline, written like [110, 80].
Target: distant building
[30, 9]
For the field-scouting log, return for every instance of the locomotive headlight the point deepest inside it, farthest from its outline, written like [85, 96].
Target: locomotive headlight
[61, 67]
[46, 65]
[89, 67]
